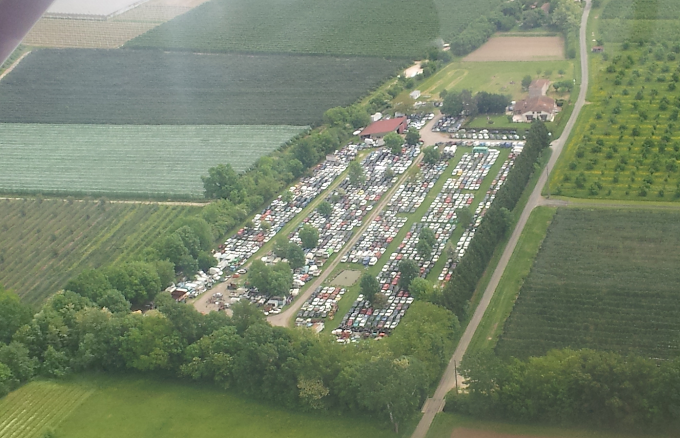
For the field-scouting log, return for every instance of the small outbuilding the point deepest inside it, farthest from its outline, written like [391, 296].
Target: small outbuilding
[414, 94]
[597, 49]
[381, 128]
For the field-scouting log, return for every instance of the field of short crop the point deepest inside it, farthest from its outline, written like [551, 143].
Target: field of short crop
[627, 143]
[127, 160]
[603, 279]
[38, 407]
[129, 406]
[44, 243]
[391, 28]
[642, 9]
[153, 87]
[456, 15]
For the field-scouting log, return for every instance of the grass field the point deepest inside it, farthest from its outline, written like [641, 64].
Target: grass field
[603, 279]
[513, 277]
[467, 427]
[494, 77]
[44, 243]
[129, 406]
[38, 407]
[127, 160]
[152, 87]
[626, 144]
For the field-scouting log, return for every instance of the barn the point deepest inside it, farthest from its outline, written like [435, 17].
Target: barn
[381, 128]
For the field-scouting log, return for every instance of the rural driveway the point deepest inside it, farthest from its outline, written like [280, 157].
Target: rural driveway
[435, 404]
[284, 318]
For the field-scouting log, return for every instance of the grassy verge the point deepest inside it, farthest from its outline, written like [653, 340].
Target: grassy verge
[445, 423]
[517, 270]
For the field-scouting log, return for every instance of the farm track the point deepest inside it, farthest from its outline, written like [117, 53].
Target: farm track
[449, 379]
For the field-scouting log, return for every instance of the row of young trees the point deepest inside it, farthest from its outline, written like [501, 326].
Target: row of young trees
[497, 220]
[572, 387]
[291, 367]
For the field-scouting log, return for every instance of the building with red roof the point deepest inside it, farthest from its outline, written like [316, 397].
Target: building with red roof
[383, 127]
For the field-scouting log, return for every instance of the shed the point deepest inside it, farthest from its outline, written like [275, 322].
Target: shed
[414, 94]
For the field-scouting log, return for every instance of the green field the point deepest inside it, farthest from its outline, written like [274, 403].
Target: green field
[39, 406]
[127, 160]
[155, 88]
[627, 142]
[603, 279]
[128, 406]
[494, 77]
[399, 29]
[45, 243]
[642, 9]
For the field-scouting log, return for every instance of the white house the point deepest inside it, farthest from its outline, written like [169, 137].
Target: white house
[540, 107]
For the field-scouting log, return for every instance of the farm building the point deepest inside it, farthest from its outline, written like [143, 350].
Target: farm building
[414, 94]
[383, 127]
[538, 87]
[541, 107]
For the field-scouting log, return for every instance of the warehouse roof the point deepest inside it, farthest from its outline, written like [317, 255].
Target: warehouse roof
[383, 126]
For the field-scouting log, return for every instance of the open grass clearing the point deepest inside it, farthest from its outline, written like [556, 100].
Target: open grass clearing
[346, 278]
[603, 279]
[130, 160]
[133, 87]
[142, 407]
[44, 243]
[522, 48]
[494, 77]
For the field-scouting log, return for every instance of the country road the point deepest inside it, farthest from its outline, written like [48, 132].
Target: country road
[284, 318]
[435, 404]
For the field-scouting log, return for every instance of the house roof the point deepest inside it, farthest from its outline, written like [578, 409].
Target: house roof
[383, 126]
[537, 104]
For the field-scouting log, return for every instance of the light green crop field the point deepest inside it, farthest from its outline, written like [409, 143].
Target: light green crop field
[127, 160]
[133, 406]
[45, 243]
[38, 407]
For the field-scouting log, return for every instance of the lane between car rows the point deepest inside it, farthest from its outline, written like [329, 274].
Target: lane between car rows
[448, 381]
[284, 318]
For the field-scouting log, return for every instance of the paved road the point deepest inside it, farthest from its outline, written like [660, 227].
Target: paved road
[284, 318]
[435, 404]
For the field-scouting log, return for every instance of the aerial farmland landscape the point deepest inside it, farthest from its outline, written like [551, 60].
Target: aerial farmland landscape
[436, 219]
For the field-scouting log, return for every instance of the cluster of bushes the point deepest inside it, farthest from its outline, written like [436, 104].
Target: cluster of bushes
[481, 103]
[497, 220]
[292, 367]
[572, 387]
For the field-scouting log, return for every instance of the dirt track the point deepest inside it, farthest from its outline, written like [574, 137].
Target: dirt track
[526, 48]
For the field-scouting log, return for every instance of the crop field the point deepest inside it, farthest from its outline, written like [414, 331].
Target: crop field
[456, 15]
[39, 406]
[627, 142]
[642, 9]
[153, 87]
[43, 243]
[108, 34]
[524, 48]
[127, 160]
[130, 406]
[353, 27]
[603, 279]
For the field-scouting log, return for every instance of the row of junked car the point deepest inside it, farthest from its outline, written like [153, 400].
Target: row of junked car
[323, 303]
[419, 120]
[351, 203]
[448, 124]
[240, 247]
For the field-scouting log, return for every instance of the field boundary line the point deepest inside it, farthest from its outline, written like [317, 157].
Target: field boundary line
[11, 67]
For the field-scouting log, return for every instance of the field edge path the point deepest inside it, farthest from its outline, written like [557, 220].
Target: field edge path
[435, 404]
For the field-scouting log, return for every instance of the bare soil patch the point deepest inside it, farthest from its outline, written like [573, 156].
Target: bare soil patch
[519, 49]
[346, 278]
[464, 432]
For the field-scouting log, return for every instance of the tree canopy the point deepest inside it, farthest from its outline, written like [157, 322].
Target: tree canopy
[309, 236]
[394, 142]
